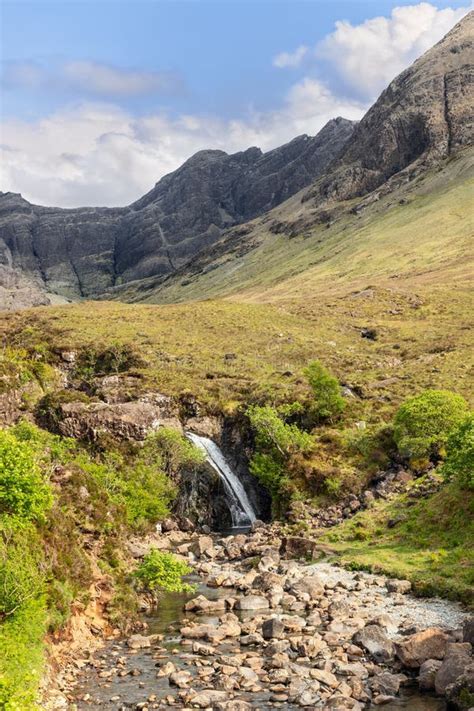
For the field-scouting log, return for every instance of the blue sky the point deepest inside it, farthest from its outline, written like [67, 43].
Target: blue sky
[93, 89]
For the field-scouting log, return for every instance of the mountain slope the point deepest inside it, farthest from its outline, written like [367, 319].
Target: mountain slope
[82, 252]
[415, 141]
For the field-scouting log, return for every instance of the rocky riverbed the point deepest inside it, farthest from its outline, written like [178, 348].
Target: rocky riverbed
[265, 631]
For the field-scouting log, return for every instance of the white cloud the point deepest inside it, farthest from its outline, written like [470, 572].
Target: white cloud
[88, 78]
[291, 59]
[98, 154]
[368, 56]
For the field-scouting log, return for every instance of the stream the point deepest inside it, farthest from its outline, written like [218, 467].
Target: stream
[120, 677]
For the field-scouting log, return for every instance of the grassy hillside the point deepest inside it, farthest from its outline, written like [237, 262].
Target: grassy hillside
[428, 541]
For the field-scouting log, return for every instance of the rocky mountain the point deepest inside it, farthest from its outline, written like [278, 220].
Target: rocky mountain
[83, 252]
[425, 114]
[423, 120]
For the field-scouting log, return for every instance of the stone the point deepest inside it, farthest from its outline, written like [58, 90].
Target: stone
[309, 585]
[207, 698]
[457, 659]
[181, 679]
[273, 628]
[417, 648]
[252, 602]
[398, 586]
[202, 604]
[298, 547]
[386, 683]
[468, 630]
[426, 676]
[140, 641]
[375, 641]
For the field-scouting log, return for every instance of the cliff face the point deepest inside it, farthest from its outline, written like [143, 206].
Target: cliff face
[82, 252]
[425, 114]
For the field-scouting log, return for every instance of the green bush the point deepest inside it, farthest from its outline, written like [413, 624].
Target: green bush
[163, 571]
[22, 657]
[23, 491]
[171, 450]
[269, 472]
[423, 423]
[274, 434]
[328, 401]
[21, 565]
[459, 463]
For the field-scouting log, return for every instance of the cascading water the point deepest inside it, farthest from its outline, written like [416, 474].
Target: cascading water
[241, 509]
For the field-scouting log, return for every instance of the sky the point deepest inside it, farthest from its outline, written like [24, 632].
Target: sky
[100, 99]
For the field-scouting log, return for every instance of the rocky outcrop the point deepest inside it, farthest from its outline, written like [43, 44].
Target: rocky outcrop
[123, 420]
[83, 252]
[423, 116]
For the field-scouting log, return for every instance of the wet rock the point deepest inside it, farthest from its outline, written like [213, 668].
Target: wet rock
[204, 546]
[375, 641]
[460, 694]
[181, 679]
[207, 698]
[386, 683]
[202, 604]
[428, 671]
[139, 641]
[418, 647]
[234, 705]
[457, 659]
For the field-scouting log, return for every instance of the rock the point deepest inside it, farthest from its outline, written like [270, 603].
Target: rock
[310, 585]
[139, 641]
[460, 694]
[168, 524]
[234, 705]
[273, 628]
[204, 546]
[162, 230]
[457, 659]
[375, 641]
[426, 677]
[202, 604]
[398, 586]
[252, 602]
[256, 525]
[181, 679]
[298, 547]
[468, 630]
[418, 647]
[207, 698]
[386, 683]
[123, 420]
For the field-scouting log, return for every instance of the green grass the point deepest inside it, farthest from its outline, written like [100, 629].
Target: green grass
[432, 545]
[22, 657]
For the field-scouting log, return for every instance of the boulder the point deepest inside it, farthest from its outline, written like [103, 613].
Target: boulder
[457, 659]
[428, 671]
[398, 586]
[252, 602]
[468, 630]
[202, 604]
[207, 698]
[298, 547]
[375, 641]
[309, 585]
[418, 647]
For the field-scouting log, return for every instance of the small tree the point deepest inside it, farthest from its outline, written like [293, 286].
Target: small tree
[23, 491]
[459, 463]
[163, 571]
[328, 401]
[423, 423]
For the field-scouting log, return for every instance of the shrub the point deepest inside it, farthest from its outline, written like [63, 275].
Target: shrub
[171, 450]
[275, 434]
[163, 571]
[268, 471]
[329, 403]
[23, 491]
[459, 463]
[423, 423]
[21, 563]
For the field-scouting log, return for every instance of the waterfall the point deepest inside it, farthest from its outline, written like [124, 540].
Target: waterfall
[241, 509]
